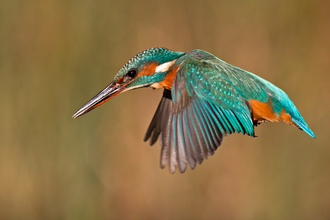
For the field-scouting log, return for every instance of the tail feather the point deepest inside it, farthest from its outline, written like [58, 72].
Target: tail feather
[296, 117]
[302, 124]
[281, 105]
[262, 111]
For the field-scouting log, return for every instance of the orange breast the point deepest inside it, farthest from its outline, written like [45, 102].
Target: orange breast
[168, 80]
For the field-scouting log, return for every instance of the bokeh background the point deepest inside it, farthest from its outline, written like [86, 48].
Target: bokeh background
[57, 54]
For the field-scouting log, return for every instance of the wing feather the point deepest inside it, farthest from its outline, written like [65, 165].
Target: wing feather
[180, 143]
[199, 142]
[172, 161]
[165, 140]
[188, 140]
[207, 128]
[216, 134]
[200, 109]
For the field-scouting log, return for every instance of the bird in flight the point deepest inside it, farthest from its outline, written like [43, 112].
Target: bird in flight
[204, 100]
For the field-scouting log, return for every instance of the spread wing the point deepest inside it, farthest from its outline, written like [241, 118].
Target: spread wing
[203, 105]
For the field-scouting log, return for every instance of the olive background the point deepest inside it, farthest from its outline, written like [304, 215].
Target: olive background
[57, 54]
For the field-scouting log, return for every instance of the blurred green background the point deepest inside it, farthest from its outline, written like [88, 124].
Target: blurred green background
[55, 55]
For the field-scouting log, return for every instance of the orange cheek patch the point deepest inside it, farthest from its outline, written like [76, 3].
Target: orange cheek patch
[148, 69]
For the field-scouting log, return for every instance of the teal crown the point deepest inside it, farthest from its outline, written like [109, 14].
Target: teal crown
[156, 54]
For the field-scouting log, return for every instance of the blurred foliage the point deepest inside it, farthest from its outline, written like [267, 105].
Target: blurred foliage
[55, 55]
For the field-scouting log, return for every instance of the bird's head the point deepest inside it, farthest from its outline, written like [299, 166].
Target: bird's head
[154, 67]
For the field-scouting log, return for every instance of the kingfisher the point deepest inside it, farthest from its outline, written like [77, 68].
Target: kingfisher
[204, 99]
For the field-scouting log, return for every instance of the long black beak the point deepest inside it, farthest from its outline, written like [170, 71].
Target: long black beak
[103, 96]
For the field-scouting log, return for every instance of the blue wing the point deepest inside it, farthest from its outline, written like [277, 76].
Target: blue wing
[193, 117]
[208, 100]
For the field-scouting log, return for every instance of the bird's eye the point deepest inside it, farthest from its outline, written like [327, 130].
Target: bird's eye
[131, 73]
